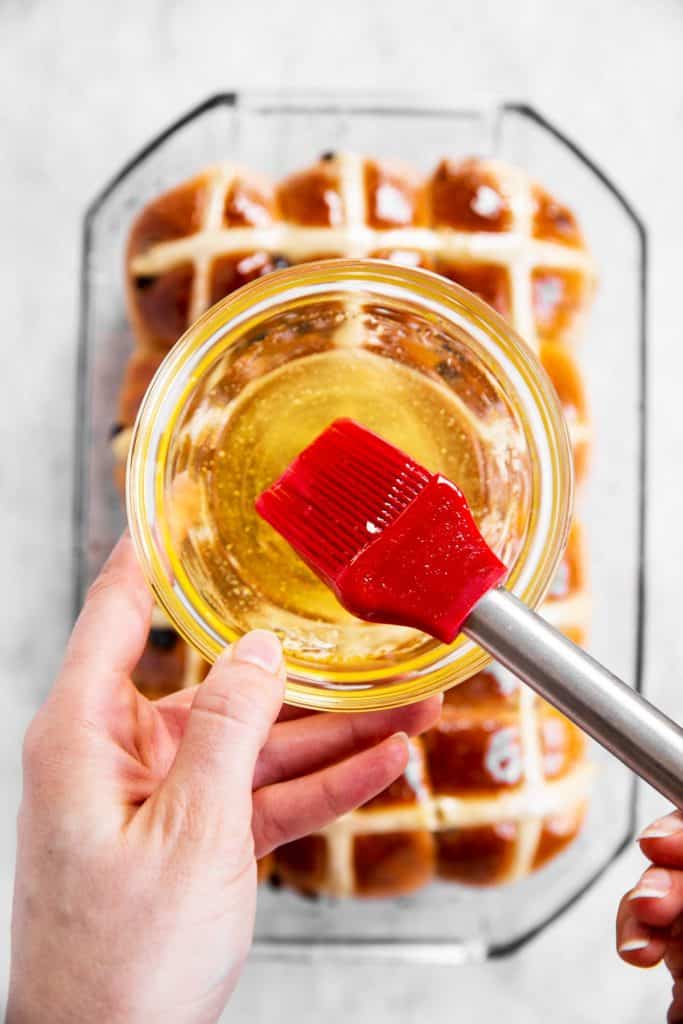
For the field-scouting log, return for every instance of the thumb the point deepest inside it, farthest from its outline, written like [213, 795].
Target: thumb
[229, 722]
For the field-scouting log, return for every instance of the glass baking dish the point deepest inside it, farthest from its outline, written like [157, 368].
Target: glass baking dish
[276, 133]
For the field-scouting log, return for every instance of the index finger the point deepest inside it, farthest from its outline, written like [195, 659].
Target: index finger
[110, 633]
[662, 841]
[637, 943]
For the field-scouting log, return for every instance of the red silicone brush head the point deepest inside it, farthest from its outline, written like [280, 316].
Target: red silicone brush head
[339, 494]
[396, 543]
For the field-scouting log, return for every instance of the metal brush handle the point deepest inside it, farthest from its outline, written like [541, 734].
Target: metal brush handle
[605, 707]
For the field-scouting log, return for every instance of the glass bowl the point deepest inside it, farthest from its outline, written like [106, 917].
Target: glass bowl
[279, 133]
[412, 356]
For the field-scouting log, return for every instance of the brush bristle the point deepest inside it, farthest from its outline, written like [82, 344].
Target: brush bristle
[339, 494]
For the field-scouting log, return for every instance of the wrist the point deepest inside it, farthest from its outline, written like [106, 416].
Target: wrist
[32, 1004]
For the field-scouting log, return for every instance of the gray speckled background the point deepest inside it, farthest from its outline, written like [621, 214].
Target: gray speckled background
[82, 86]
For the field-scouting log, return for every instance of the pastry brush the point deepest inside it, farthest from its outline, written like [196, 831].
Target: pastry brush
[398, 544]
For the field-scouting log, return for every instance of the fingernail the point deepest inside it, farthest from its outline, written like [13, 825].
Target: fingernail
[654, 885]
[663, 828]
[260, 647]
[631, 945]
[403, 736]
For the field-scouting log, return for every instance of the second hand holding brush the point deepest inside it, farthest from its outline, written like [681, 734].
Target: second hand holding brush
[398, 544]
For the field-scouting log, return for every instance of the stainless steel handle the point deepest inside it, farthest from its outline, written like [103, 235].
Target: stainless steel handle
[610, 711]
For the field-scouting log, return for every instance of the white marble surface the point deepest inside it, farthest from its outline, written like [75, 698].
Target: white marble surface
[83, 85]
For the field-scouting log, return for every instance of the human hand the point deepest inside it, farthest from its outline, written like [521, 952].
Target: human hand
[650, 917]
[141, 822]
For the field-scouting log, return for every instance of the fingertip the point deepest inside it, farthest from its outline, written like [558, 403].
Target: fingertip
[641, 950]
[123, 558]
[662, 840]
[400, 749]
[654, 884]
[637, 943]
[383, 762]
[433, 706]
[663, 828]
[260, 647]
[639, 953]
[632, 946]
[231, 715]
[223, 660]
[665, 850]
[414, 719]
[657, 899]
[402, 738]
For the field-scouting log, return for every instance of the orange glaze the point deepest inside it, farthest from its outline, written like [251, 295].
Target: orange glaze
[466, 197]
[175, 214]
[246, 204]
[312, 198]
[490, 282]
[477, 856]
[554, 222]
[163, 304]
[392, 863]
[393, 196]
[230, 272]
[468, 754]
